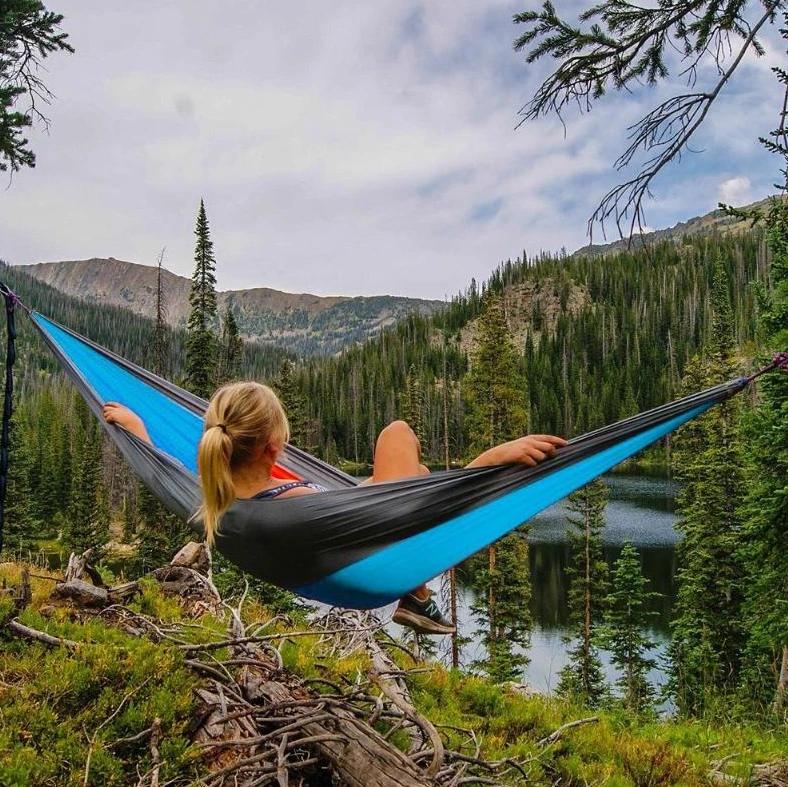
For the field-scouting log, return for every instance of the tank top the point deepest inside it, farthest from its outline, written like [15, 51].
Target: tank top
[277, 490]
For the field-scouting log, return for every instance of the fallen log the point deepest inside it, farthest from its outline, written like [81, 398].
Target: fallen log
[82, 593]
[360, 756]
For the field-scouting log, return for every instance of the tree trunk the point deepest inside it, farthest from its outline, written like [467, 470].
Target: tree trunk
[362, 758]
[782, 683]
[455, 637]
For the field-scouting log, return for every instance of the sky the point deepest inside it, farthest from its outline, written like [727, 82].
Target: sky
[342, 148]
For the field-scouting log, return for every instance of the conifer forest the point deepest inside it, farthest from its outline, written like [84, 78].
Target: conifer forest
[580, 342]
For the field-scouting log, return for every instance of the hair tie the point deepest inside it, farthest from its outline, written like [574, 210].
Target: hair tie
[222, 427]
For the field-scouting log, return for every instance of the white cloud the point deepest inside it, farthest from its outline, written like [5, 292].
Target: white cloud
[735, 191]
[340, 147]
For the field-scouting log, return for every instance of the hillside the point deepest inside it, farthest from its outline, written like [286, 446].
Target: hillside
[717, 222]
[303, 323]
[156, 682]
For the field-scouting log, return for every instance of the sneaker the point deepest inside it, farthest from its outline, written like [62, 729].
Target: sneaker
[423, 617]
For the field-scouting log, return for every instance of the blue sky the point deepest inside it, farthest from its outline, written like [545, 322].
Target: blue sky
[341, 148]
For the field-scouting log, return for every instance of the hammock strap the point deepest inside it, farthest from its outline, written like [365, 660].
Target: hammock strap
[11, 302]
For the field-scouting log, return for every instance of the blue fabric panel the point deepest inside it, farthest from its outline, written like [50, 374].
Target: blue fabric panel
[173, 428]
[393, 571]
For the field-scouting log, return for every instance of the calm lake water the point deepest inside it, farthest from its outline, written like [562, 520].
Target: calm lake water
[640, 508]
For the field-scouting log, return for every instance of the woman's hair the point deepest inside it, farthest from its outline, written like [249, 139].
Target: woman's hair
[241, 418]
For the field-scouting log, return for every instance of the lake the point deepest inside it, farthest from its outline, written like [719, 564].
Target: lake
[640, 508]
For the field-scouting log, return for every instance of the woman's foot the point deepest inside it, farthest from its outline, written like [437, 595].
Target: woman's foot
[422, 615]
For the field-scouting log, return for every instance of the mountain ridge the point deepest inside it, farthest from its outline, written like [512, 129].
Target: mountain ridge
[301, 322]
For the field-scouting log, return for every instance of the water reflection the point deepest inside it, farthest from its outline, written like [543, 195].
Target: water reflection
[641, 508]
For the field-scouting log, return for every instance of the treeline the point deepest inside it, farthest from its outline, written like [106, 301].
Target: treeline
[578, 343]
[600, 339]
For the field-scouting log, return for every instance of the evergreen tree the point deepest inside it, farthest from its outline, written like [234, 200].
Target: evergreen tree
[293, 400]
[496, 388]
[707, 627]
[766, 502]
[200, 340]
[19, 527]
[28, 34]
[497, 412]
[626, 618]
[503, 591]
[622, 45]
[230, 349]
[582, 679]
[158, 345]
[88, 516]
[414, 403]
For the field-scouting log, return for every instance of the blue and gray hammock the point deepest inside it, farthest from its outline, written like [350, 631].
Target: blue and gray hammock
[352, 546]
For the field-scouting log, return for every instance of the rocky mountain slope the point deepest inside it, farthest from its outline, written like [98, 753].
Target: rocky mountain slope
[303, 323]
[715, 223]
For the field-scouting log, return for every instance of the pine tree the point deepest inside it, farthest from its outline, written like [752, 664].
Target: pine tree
[231, 348]
[28, 34]
[496, 388]
[414, 403]
[707, 628]
[158, 345]
[293, 400]
[19, 527]
[201, 341]
[88, 515]
[766, 502]
[582, 679]
[626, 618]
[503, 592]
[497, 396]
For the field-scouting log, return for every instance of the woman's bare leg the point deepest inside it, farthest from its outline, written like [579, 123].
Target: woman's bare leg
[398, 455]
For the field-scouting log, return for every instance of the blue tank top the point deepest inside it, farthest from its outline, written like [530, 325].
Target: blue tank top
[277, 490]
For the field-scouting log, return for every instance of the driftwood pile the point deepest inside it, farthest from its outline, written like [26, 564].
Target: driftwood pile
[260, 724]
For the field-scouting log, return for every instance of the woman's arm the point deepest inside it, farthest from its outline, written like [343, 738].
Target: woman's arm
[115, 413]
[528, 450]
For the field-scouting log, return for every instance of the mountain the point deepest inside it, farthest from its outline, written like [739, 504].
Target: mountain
[718, 222]
[303, 323]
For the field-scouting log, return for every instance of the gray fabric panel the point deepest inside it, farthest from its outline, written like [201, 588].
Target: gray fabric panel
[296, 541]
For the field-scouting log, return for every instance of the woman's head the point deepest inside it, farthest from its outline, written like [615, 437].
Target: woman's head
[243, 420]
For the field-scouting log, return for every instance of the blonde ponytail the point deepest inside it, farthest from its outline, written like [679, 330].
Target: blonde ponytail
[214, 454]
[241, 417]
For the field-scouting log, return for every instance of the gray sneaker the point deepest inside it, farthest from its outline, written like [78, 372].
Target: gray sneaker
[423, 617]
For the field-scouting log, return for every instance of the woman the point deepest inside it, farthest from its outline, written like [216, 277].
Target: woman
[245, 431]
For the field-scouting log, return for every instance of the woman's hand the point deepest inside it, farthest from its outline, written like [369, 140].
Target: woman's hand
[528, 450]
[119, 414]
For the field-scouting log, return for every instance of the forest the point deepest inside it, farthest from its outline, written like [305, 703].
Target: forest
[556, 344]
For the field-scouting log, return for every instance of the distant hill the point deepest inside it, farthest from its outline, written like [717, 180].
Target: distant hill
[302, 323]
[715, 223]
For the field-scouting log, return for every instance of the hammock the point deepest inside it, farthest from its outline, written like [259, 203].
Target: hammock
[352, 546]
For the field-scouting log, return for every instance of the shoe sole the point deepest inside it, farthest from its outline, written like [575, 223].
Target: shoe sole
[420, 624]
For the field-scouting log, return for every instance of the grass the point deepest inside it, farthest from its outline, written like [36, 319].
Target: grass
[62, 711]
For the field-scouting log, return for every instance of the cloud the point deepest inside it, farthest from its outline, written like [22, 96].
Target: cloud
[341, 148]
[735, 191]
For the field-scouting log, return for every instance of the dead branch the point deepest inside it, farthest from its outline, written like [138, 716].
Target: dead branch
[556, 734]
[82, 593]
[39, 636]
[155, 738]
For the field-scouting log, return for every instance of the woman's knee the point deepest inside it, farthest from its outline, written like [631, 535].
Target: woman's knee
[397, 452]
[399, 430]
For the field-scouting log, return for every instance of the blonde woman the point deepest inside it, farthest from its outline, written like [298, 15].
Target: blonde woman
[245, 431]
